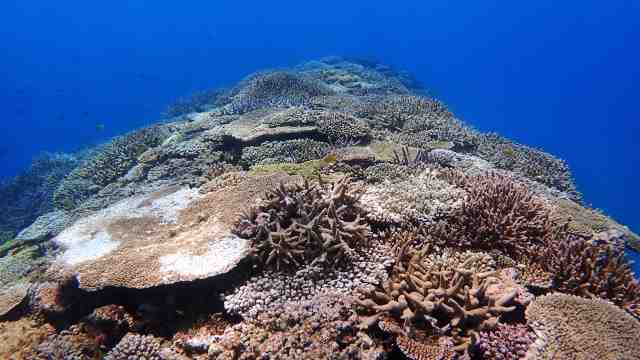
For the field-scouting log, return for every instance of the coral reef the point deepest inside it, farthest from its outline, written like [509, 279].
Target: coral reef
[422, 198]
[274, 89]
[102, 168]
[453, 301]
[570, 327]
[198, 101]
[506, 342]
[593, 268]
[298, 150]
[327, 211]
[498, 213]
[135, 346]
[532, 163]
[30, 194]
[306, 223]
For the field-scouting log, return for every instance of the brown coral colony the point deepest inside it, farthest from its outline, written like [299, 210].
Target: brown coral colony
[305, 223]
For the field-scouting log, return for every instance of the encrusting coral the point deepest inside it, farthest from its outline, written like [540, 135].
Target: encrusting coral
[306, 223]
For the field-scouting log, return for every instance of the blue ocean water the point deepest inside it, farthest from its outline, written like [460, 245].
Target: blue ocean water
[559, 76]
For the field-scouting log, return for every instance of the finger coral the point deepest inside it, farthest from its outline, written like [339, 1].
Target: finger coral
[570, 327]
[306, 223]
[424, 302]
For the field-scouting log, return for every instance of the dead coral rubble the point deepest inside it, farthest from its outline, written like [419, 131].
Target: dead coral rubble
[306, 223]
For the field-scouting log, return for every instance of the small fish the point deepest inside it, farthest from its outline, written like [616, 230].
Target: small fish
[60, 117]
[330, 158]
[85, 114]
[100, 127]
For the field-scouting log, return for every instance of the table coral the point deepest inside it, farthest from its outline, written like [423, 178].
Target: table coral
[570, 327]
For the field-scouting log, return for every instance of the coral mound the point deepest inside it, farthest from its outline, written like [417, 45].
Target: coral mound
[570, 327]
[306, 223]
[332, 210]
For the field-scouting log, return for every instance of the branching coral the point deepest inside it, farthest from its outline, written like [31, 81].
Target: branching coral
[592, 268]
[424, 302]
[570, 327]
[498, 214]
[305, 223]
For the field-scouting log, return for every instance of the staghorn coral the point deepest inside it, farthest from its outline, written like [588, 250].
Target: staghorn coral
[135, 346]
[506, 342]
[425, 302]
[306, 223]
[498, 214]
[570, 327]
[593, 268]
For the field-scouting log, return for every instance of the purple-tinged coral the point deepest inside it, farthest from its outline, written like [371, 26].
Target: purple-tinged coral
[593, 268]
[134, 346]
[498, 214]
[506, 342]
